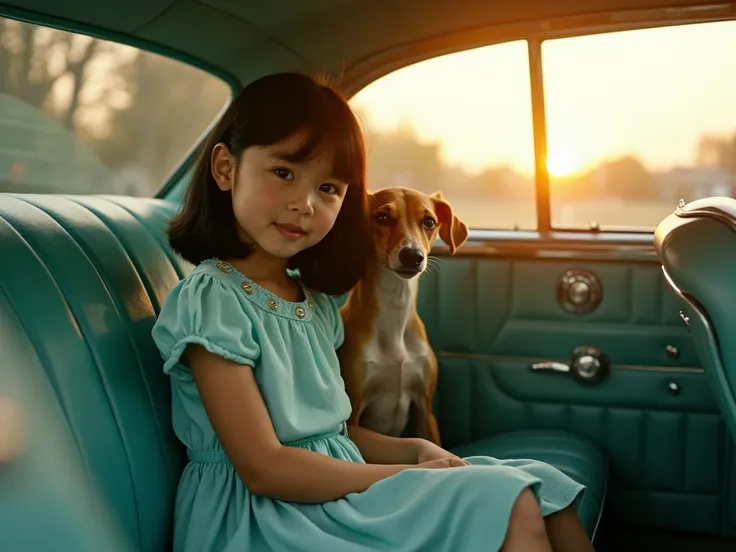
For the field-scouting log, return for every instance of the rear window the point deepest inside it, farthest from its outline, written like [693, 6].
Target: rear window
[637, 120]
[461, 124]
[81, 115]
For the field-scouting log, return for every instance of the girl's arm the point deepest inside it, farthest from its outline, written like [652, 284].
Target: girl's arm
[381, 449]
[240, 419]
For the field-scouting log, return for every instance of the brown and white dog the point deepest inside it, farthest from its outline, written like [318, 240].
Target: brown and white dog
[386, 361]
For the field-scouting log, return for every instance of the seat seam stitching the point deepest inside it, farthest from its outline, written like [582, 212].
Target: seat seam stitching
[169, 459]
[96, 360]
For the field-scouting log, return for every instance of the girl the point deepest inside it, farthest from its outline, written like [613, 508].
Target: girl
[276, 222]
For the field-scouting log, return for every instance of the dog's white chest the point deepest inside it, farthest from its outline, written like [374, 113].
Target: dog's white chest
[398, 362]
[395, 361]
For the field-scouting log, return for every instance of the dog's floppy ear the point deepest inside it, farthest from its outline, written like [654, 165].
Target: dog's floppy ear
[370, 201]
[452, 230]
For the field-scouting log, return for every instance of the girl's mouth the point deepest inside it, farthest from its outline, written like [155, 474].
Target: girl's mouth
[290, 231]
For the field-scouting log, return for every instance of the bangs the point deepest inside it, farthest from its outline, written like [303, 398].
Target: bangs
[342, 141]
[320, 114]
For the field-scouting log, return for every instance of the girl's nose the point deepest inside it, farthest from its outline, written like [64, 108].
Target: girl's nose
[302, 204]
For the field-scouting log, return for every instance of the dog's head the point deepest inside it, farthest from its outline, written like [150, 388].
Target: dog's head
[406, 224]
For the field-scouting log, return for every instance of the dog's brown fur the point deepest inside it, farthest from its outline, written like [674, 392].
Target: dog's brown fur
[386, 361]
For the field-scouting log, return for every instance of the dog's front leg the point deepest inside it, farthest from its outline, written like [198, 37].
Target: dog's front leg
[432, 430]
[425, 422]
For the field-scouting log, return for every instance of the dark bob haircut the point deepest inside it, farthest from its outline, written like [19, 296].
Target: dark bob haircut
[267, 111]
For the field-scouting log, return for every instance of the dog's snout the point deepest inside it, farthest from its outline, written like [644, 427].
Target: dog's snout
[411, 257]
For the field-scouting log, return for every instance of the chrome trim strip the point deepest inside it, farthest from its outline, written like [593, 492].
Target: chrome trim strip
[692, 303]
[532, 360]
[539, 248]
[718, 374]
[707, 212]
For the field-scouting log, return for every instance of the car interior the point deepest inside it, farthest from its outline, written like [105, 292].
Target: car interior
[584, 323]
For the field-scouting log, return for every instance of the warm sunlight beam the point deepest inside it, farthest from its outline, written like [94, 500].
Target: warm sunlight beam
[560, 164]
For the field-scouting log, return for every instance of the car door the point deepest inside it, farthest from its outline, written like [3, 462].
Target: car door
[561, 256]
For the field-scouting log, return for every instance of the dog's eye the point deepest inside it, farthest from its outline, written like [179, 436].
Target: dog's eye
[429, 223]
[382, 218]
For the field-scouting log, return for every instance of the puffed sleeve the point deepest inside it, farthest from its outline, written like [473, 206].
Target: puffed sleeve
[333, 320]
[205, 310]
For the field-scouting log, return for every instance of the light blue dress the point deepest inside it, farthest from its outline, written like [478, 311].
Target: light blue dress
[291, 347]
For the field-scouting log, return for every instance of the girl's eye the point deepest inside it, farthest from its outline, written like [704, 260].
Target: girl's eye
[286, 174]
[329, 189]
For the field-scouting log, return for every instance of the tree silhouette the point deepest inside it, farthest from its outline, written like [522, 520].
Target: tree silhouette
[720, 152]
[138, 111]
[170, 106]
[34, 61]
[398, 158]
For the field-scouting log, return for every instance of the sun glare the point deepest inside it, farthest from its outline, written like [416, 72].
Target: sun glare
[559, 164]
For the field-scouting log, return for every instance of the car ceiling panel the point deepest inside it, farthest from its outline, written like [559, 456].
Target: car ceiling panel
[248, 37]
[122, 17]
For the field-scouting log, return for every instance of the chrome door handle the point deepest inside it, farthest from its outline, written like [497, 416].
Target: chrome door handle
[587, 365]
[551, 366]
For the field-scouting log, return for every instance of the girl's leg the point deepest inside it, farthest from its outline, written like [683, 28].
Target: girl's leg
[526, 531]
[566, 533]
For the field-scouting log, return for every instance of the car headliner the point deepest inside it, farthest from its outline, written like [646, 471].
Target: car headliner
[355, 39]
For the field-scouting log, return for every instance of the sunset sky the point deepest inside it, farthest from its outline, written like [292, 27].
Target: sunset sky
[651, 93]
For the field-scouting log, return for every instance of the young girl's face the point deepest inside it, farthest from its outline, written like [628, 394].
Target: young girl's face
[281, 206]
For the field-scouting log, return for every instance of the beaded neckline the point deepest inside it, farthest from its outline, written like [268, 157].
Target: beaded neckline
[299, 310]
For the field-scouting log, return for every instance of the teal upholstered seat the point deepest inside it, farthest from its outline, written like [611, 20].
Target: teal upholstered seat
[697, 247]
[82, 280]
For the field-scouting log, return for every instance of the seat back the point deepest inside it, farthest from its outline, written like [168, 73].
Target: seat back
[697, 248]
[82, 280]
[45, 498]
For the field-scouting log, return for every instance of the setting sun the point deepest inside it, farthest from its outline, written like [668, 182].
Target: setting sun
[559, 164]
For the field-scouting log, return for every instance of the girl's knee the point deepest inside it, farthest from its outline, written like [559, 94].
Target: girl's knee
[526, 514]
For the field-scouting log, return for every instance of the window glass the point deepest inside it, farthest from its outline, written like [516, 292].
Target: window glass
[82, 115]
[461, 124]
[637, 120]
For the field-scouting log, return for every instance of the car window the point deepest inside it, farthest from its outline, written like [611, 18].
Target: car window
[461, 124]
[82, 115]
[637, 120]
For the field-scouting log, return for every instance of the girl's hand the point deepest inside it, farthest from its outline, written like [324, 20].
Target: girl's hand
[442, 463]
[429, 452]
